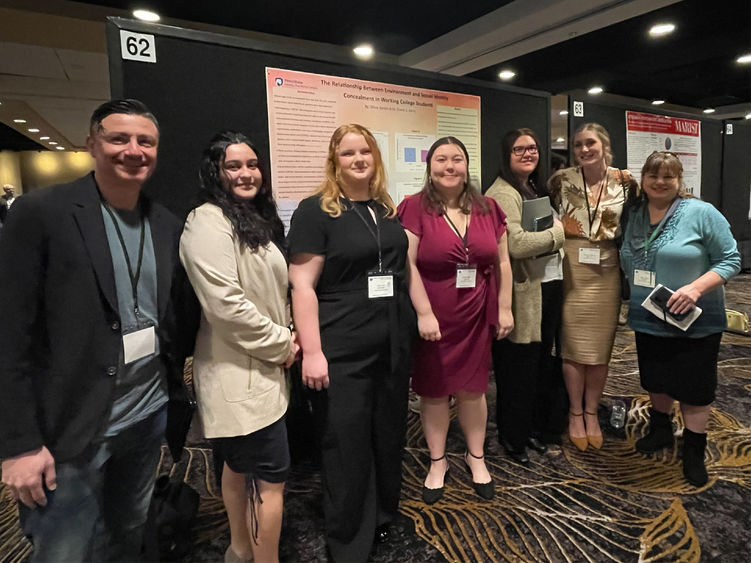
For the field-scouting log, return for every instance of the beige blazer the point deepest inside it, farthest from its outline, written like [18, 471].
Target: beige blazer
[524, 246]
[243, 338]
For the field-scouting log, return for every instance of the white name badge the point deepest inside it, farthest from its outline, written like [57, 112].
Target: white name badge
[139, 344]
[589, 256]
[466, 276]
[380, 285]
[644, 278]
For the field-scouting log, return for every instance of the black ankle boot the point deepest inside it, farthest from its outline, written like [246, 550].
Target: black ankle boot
[660, 433]
[694, 445]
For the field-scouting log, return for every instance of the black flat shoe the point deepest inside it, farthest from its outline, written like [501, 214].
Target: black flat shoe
[383, 533]
[484, 490]
[519, 456]
[432, 496]
[537, 446]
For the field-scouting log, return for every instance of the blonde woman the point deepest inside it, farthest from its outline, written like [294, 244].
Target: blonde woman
[348, 256]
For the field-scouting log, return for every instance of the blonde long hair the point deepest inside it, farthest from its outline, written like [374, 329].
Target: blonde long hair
[331, 192]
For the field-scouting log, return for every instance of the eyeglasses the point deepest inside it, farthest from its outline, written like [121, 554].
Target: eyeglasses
[519, 151]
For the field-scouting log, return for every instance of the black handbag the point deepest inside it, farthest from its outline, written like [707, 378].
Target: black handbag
[173, 509]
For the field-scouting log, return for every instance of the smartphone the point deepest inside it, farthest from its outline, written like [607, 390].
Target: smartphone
[661, 297]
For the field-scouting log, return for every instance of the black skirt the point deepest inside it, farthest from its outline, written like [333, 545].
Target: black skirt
[683, 368]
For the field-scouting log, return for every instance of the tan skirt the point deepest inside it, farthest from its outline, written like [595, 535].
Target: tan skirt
[591, 302]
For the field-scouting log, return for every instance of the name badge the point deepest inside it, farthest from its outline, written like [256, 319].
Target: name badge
[589, 256]
[644, 278]
[380, 285]
[139, 344]
[466, 276]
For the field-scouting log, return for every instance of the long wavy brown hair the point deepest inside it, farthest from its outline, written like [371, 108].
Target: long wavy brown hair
[331, 191]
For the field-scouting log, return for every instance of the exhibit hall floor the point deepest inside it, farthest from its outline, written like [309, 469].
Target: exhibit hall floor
[612, 504]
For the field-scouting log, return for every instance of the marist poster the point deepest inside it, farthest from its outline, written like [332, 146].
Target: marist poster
[647, 132]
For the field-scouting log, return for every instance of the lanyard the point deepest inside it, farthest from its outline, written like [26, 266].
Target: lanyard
[133, 277]
[466, 232]
[660, 225]
[375, 232]
[593, 216]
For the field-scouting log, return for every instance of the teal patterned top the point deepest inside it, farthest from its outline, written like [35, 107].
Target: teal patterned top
[695, 240]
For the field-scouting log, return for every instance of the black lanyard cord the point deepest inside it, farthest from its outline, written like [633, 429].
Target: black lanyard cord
[133, 277]
[590, 215]
[375, 232]
[466, 232]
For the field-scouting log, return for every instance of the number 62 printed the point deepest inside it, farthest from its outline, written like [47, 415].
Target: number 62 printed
[137, 46]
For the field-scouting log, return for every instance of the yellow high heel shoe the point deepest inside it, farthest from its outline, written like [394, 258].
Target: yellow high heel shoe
[582, 442]
[594, 440]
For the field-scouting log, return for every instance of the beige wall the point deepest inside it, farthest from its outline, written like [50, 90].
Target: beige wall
[10, 170]
[45, 168]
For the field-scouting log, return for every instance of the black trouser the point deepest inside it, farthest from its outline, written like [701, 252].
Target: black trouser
[527, 391]
[362, 421]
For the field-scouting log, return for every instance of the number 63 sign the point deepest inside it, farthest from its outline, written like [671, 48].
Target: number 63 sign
[137, 46]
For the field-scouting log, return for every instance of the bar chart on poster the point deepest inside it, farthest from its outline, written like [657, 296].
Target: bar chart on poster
[305, 108]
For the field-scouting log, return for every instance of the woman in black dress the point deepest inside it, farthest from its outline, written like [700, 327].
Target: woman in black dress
[354, 319]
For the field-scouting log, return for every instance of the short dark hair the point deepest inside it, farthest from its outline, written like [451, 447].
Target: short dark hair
[129, 106]
[504, 169]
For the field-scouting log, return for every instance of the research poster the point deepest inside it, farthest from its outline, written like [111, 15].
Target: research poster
[305, 109]
[647, 132]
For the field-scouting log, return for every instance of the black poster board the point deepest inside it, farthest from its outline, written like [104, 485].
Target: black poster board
[612, 116]
[204, 82]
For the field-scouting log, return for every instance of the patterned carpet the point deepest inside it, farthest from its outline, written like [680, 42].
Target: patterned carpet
[607, 505]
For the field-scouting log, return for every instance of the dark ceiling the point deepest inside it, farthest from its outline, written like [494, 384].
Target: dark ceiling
[695, 66]
[12, 140]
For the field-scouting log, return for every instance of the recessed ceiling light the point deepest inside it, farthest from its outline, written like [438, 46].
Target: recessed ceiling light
[563, 112]
[146, 15]
[595, 90]
[744, 59]
[363, 51]
[60, 148]
[52, 143]
[560, 140]
[43, 138]
[661, 29]
[658, 102]
[33, 130]
[709, 110]
[748, 116]
[506, 74]
[19, 121]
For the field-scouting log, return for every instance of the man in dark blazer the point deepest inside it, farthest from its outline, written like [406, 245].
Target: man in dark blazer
[89, 346]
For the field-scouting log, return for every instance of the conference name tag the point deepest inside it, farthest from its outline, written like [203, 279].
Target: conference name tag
[644, 278]
[589, 256]
[139, 344]
[380, 285]
[466, 276]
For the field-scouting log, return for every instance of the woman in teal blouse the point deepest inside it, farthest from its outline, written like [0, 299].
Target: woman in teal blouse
[686, 245]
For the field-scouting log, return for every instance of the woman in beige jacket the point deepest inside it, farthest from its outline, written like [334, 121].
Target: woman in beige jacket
[522, 362]
[233, 251]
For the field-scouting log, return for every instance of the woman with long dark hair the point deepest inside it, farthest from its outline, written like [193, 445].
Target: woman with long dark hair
[522, 363]
[233, 251]
[460, 285]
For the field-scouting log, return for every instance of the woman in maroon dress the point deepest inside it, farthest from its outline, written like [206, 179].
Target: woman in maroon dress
[460, 285]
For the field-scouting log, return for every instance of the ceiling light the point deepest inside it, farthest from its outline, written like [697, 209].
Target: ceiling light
[748, 116]
[52, 143]
[560, 140]
[506, 74]
[744, 59]
[563, 112]
[60, 148]
[146, 15]
[33, 130]
[19, 121]
[595, 90]
[43, 138]
[661, 29]
[709, 110]
[658, 102]
[363, 51]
